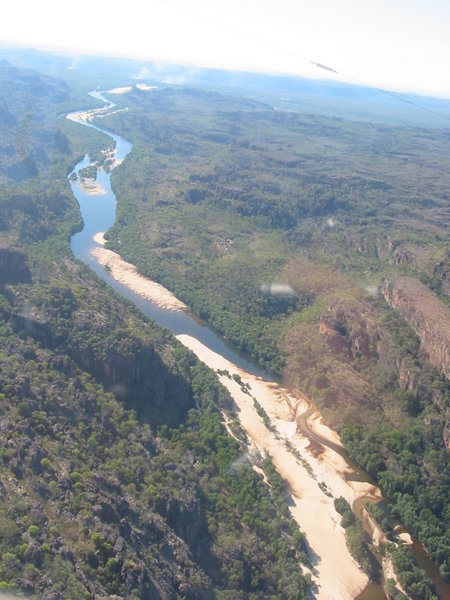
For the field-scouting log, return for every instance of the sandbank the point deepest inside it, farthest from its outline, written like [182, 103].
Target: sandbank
[115, 163]
[126, 273]
[81, 116]
[108, 114]
[406, 538]
[99, 238]
[336, 575]
[91, 187]
[318, 425]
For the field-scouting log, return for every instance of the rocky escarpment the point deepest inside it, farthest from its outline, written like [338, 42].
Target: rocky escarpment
[426, 314]
[102, 338]
[13, 267]
[356, 331]
[70, 520]
[128, 366]
[96, 501]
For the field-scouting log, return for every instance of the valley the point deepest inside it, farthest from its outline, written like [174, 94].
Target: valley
[119, 269]
[273, 246]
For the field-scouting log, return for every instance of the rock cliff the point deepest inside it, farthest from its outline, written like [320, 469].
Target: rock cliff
[426, 314]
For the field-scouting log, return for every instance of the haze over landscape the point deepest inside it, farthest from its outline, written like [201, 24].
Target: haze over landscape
[225, 300]
[400, 45]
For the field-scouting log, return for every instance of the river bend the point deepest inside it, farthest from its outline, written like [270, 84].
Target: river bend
[295, 420]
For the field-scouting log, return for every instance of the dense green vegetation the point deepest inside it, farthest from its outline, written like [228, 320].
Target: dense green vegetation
[116, 474]
[356, 538]
[222, 197]
[413, 580]
[92, 493]
[35, 134]
[267, 185]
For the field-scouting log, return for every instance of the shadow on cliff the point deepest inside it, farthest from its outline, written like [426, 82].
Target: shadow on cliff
[125, 365]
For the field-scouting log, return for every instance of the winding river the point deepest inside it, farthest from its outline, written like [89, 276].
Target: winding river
[98, 209]
[99, 213]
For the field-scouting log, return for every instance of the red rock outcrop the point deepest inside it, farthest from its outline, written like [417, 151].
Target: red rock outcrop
[429, 317]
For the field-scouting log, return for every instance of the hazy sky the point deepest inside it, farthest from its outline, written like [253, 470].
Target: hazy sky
[397, 44]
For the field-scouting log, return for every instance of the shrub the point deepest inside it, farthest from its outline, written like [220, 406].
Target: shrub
[33, 530]
[46, 464]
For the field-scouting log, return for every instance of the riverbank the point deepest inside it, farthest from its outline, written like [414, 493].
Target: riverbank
[336, 574]
[126, 273]
[299, 426]
[91, 187]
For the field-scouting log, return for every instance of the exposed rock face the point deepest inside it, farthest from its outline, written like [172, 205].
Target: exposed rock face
[331, 330]
[407, 374]
[350, 330]
[426, 314]
[446, 434]
[442, 271]
[13, 267]
[130, 368]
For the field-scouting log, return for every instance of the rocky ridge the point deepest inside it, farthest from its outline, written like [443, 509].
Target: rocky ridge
[426, 314]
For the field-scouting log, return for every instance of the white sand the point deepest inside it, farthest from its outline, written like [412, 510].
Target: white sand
[316, 423]
[337, 575]
[86, 115]
[108, 113]
[99, 238]
[91, 187]
[406, 538]
[127, 274]
[115, 163]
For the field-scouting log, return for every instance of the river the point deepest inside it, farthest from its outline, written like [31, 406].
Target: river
[98, 210]
[99, 213]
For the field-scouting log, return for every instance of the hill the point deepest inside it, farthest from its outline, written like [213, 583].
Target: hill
[117, 477]
[290, 93]
[279, 229]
